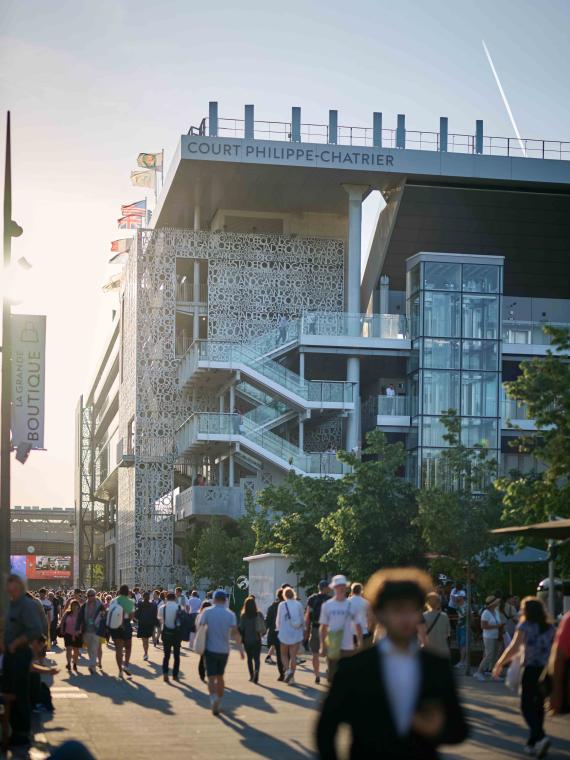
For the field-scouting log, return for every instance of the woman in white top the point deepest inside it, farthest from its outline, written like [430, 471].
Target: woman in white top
[290, 624]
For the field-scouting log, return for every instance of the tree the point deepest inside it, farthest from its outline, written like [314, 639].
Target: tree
[372, 526]
[544, 386]
[456, 514]
[293, 511]
[215, 551]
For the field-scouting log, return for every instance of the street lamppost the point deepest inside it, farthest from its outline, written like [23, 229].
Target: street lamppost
[11, 229]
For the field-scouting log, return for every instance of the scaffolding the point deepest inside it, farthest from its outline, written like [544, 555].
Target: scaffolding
[91, 514]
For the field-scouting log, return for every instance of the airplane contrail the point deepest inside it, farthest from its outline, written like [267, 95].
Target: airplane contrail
[504, 97]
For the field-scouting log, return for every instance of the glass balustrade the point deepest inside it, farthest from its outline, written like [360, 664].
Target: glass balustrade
[341, 324]
[529, 333]
[392, 405]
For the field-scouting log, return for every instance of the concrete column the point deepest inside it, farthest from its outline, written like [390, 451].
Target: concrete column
[479, 136]
[401, 131]
[301, 432]
[196, 287]
[197, 217]
[333, 127]
[295, 124]
[221, 462]
[355, 195]
[231, 469]
[384, 298]
[232, 397]
[248, 131]
[377, 129]
[443, 134]
[213, 119]
[302, 366]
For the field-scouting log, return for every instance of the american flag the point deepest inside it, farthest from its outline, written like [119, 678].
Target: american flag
[130, 222]
[134, 209]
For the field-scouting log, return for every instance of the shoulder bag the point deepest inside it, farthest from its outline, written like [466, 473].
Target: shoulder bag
[200, 639]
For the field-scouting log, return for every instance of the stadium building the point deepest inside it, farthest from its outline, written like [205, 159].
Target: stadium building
[248, 343]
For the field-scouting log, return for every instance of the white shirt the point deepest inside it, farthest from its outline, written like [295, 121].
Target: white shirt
[182, 601]
[290, 622]
[194, 603]
[400, 673]
[167, 614]
[492, 617]
[341, 616]
[360, 605]
[390, 391]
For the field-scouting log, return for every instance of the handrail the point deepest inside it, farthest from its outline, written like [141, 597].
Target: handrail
[493, 145]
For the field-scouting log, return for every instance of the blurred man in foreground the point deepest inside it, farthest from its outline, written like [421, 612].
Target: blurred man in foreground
[399, 700]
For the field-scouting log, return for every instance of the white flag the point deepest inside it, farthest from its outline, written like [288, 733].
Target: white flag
[146, 178]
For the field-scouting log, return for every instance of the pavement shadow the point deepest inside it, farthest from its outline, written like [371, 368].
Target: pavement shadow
[122, 691]
[260, 742]
[294, 698]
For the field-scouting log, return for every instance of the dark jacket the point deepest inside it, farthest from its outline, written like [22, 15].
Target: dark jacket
[357, 697]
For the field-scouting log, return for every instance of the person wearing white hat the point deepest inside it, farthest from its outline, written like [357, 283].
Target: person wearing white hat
[491, 625]
[339, 622]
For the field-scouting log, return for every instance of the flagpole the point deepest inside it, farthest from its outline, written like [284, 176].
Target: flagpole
[5, 526]
[162, 171]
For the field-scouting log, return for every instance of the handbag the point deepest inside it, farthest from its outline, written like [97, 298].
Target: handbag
[200, 640]
[333, 639]
[260, 628]
[514, 673]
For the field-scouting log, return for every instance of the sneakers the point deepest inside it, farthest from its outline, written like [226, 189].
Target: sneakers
[288, 676]
[145, 657]
[126, 671]
[215, 704]
[479, 677]
[255, 678]
[460, 666]
[165, 678]
[541, 747]
[281, 677]
[317, 679]
[269, 660]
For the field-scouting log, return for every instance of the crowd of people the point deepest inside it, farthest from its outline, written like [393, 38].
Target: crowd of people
[390, 640]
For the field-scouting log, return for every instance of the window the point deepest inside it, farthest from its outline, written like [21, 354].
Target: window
[442, 354]
[481, 317]
[442, 315]
[480, 278]
[442, 276]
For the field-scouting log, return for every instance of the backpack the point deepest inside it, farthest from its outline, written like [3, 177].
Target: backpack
[115, 615]
[315, 603]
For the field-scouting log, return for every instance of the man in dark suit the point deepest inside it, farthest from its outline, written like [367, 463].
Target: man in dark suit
[399, 700]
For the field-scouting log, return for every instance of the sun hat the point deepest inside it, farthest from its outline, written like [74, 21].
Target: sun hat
[492, 600]
[338, 580]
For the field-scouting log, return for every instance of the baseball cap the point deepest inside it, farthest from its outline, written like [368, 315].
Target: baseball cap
[220, 594]
[338, 580]
[323, 584]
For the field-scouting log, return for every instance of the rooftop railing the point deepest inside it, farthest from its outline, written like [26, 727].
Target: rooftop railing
[399, 138]
[529, 333]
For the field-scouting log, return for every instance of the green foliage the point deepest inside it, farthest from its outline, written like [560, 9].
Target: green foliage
[544, 385]
[293, 511]
[373, 524]
[215, 551]
[456, 515]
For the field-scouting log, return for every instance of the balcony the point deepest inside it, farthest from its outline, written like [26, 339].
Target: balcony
[528, 337]
[125, 457]
[106, 463]
[387, 412]
[210, 501]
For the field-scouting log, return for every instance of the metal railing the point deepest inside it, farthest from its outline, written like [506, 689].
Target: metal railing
[325, 391]
[185, 292]
[342, 324]
[183, 343]
[529, 333]
[203, 425]
[414, 139]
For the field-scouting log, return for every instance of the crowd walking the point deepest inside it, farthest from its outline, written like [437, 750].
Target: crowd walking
[384, 651]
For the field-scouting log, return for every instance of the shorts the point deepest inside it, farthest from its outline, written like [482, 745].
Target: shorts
[145, 631]
[315, 640]
[215, 663]
[73, 641]
[124, 633]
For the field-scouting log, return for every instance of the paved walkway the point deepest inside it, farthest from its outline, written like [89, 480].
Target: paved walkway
[143, 717]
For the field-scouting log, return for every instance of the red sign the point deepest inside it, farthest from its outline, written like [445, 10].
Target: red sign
[40, 566]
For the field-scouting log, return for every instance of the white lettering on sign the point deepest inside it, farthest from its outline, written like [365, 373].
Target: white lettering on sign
[291, 153]
[28, 379]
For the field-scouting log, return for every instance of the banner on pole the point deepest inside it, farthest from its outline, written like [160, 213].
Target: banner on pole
[28, 379]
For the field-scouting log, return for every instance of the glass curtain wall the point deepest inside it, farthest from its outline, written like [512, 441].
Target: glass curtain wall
[454, 314]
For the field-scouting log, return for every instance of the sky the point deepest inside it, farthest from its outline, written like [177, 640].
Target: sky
[90, 85]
